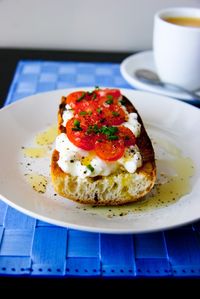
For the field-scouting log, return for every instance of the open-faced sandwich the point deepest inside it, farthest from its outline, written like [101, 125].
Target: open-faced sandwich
[103, 155]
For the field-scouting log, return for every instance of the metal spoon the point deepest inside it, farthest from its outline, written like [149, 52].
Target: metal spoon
[149, 77]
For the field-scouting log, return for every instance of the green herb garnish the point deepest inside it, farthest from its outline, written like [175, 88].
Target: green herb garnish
[77, 126]
[109, 96]
[113, 137]
[89, 129]
[96, 87]
[95, 129]
[89, 166]
[94, 96]
[109, 102]
[81, 97]
[109, 130]
[83, 113]
[76, 123]
[114, 113]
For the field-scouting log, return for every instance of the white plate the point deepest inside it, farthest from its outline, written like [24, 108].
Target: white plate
[167, 120]
[145, 60]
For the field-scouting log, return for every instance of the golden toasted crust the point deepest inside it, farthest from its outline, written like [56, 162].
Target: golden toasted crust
[116, 189]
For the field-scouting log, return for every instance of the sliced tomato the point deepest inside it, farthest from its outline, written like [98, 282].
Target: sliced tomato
[109, 150]
[126, 135]
[78, 135]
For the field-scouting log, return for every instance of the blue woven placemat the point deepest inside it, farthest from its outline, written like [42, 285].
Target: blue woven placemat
[29, 247]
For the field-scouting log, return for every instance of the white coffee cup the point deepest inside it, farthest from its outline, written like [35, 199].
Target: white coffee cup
[176, 48]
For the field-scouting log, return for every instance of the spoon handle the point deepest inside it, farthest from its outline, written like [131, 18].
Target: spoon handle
[194, 96]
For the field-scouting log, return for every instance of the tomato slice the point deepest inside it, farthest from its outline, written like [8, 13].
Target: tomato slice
[126, 135]
[109, 150]
[77, 133]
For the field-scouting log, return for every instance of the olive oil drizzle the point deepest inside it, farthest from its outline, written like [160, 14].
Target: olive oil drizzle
[35, 152]
[41, 149]
[38, 182]
[47, 137]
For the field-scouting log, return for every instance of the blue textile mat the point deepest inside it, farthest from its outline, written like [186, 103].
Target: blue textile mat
[29, 247]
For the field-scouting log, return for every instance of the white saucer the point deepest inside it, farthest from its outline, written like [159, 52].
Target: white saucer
[145, 60]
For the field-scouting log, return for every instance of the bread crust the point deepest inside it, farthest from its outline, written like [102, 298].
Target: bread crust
[115, 189]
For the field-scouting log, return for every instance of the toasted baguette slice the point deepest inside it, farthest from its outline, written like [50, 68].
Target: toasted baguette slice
[115, 189]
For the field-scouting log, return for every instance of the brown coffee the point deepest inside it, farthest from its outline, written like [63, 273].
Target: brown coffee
[184, 21]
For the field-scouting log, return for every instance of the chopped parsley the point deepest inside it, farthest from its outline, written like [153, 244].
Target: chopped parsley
[83, 113]
[114, 113]
[93, 129]
[113, 137]
[108, 130]
[109, 96]
[94, 96]
[89, 166]
[96, 87]
[77, 126]
[81, 97]
[109, 102]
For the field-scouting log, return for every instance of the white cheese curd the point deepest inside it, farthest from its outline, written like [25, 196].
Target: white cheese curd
[133, 124]
[63, 145]
[102, 167]
[67, 114]
[131, 159]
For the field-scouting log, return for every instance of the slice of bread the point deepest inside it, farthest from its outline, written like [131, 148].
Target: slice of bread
[115, 189]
